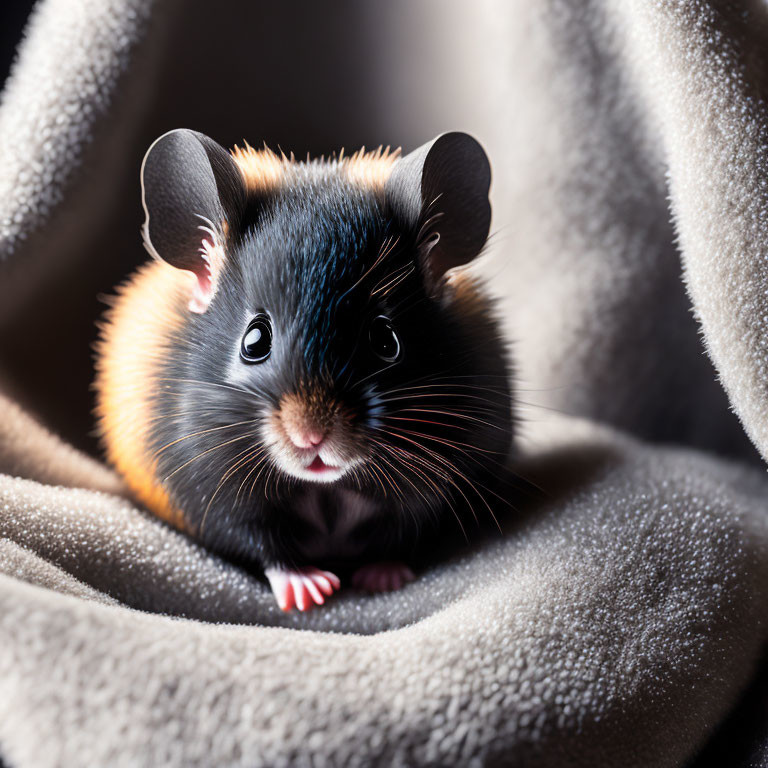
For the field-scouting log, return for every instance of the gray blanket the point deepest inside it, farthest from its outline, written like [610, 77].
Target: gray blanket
[618, 620]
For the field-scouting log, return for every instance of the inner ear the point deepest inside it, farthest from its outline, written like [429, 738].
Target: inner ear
[193, 196]
[441, 190]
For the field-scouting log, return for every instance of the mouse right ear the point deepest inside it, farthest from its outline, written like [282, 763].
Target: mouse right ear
[193, 194]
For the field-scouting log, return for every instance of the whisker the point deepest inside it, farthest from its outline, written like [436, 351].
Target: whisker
[202, 432]
[455, 470]
[426, 421]
[226, 475]
[415, 488]
[206, 383]
[200, 455]
[450, 480]
[493, 390]
[393, 279]
[182, 413]
[376, 477]
[375, 373]
[267, 478]
[445, 441]
[489, 456]
[451, 413]
[256, 465]
[428, 466]
[392, 484]
[264, 465]
[453, 406]
[386, 249]
[425, 395]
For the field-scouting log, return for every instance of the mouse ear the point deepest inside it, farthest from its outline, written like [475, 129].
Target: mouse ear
[441, 189]
[193, 193]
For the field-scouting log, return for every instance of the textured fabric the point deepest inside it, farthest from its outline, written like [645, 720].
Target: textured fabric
[574, 639]
[619, 617]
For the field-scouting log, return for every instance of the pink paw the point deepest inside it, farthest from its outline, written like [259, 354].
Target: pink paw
[301, 588]
[382, 577]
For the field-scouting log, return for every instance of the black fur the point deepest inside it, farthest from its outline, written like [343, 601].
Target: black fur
[306, 256]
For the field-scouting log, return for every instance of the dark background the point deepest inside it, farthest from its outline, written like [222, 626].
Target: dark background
[13, 15]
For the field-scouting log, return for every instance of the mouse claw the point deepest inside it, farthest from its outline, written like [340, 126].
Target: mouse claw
[301, 588]
[382, 577]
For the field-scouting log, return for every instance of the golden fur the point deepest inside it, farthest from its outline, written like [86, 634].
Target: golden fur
[468, 297]
[265, 171]
[145, 311]
[262, 169]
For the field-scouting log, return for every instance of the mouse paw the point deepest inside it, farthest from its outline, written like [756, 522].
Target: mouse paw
[301, 588]
[385, 576]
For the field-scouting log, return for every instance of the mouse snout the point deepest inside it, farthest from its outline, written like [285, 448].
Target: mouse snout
[304, 435]
[311, 435]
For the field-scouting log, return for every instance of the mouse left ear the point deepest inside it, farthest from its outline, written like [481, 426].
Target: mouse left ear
[193, 194]
[441, 189]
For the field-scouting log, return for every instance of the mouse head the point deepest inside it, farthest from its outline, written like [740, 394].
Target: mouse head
[323, 335]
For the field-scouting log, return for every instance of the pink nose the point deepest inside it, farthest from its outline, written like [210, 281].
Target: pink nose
[305, 438]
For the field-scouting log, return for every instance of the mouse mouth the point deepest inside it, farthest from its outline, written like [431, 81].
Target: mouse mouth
[318, 466]
[318, 469]
[311, 466]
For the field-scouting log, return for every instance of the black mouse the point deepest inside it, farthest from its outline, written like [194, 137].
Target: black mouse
[302, 377]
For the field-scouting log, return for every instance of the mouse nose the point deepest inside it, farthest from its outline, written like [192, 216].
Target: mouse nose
[307, 418]
[305, 436]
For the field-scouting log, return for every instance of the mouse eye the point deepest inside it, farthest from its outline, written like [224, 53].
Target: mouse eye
[384, 341]
[257, 340]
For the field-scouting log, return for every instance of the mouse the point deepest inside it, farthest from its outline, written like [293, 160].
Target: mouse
[305, 377]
